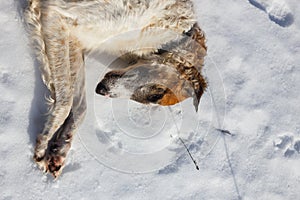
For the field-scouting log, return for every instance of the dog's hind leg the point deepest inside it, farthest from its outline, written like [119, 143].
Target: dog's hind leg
[61, 142]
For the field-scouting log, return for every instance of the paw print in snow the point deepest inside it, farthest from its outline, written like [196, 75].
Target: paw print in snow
[297, 146]
[287, 144]
[278, 11]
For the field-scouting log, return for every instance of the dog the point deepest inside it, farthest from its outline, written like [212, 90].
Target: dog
[63, 31]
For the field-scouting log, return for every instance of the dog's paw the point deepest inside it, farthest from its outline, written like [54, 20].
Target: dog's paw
[56, 155]
[41, 164]
[40, 150]
[55, 164]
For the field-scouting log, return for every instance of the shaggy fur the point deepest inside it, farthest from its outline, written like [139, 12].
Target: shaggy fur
[63, 30]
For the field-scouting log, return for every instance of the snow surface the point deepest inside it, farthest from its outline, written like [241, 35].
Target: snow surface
[125, 150]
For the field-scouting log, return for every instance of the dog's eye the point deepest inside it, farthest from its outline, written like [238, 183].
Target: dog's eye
[154, 98]
[157, 88]
[113, 75]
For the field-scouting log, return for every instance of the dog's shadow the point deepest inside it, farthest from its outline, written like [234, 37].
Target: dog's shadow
[38, 109]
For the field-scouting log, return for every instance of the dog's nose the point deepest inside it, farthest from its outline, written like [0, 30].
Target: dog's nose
[101, 89]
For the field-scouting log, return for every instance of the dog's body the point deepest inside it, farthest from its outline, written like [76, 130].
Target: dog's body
[63, 30]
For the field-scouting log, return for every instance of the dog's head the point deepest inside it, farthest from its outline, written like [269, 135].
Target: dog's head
[165, 78]
[146, 83]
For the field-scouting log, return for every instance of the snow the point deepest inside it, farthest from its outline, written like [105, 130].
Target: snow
[254, 79]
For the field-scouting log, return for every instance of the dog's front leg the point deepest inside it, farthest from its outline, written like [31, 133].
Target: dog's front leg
[56, 38]
[60, 144]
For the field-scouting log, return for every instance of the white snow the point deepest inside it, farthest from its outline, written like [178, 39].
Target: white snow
[125, 150]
